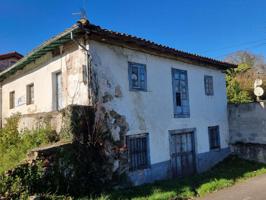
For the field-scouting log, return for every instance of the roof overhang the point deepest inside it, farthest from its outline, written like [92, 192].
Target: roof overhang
[129, 41]
[36, 53]
[8, 55]
[103, 35]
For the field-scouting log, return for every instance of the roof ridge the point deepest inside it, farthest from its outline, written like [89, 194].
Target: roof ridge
[85, 25]
[184, 53]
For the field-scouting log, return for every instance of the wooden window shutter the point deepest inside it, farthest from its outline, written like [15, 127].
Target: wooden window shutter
[27, 95]
[12, 99]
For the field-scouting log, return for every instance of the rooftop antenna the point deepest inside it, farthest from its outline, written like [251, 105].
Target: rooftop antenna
[82, 11]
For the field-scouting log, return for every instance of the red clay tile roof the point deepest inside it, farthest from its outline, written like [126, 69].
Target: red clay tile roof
[103, 35]
[12, 54]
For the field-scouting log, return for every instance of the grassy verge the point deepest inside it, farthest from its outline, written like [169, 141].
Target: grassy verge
[225, 174]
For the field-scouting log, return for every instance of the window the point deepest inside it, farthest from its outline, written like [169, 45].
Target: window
[56, 52]
[180, 93]
[58, 91]
[30, 94]
[12, 99]
[137, 76]
[12, 62]
[214, 137]
[137, 151]
[208, 83]
[84, 74]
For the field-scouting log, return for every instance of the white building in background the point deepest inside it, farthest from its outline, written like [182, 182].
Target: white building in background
[174, 102]
[8, 59]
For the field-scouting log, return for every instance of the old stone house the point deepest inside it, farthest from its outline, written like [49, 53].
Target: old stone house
[173, 103]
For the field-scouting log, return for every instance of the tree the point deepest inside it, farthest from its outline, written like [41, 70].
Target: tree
[235, 94]
[239, 81]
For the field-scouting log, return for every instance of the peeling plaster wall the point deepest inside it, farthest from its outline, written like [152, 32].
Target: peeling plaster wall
[152, 111]
[75, 91]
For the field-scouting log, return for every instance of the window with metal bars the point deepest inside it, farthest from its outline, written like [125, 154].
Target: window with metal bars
[137, 146]
[137, 76]
[208, 83]
[214, 137]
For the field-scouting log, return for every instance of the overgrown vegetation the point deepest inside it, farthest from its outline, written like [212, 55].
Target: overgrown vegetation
[239, 81]
[235, 93]
[14, 145]
[225, 174]
[83, 166]
[21, 181]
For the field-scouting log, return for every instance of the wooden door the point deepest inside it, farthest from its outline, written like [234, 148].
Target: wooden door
[182, 154]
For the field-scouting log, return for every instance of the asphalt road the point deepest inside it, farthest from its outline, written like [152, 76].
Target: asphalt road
[251, 189]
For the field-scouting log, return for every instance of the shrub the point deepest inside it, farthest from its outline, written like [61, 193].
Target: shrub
[23, 179]
[20, 182]
[15, 145]
[81, 167]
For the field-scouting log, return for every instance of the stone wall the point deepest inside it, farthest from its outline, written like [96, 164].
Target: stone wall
[37, 120]
[87, 162]
[247, 123]
[247, 128]
[250, 151]
[74, 119]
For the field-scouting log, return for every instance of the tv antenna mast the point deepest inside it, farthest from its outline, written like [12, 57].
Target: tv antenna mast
[82, 11]
[82, 14]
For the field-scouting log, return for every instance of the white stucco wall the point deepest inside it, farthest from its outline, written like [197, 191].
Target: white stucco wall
[146, 112]
[75, 91]
[152, 111]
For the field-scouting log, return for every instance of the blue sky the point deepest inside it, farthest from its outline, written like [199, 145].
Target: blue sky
[211, 28]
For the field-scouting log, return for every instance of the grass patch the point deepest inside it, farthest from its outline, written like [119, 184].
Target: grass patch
[223, 175]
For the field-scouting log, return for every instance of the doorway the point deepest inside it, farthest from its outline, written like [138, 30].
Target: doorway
[182, 152]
